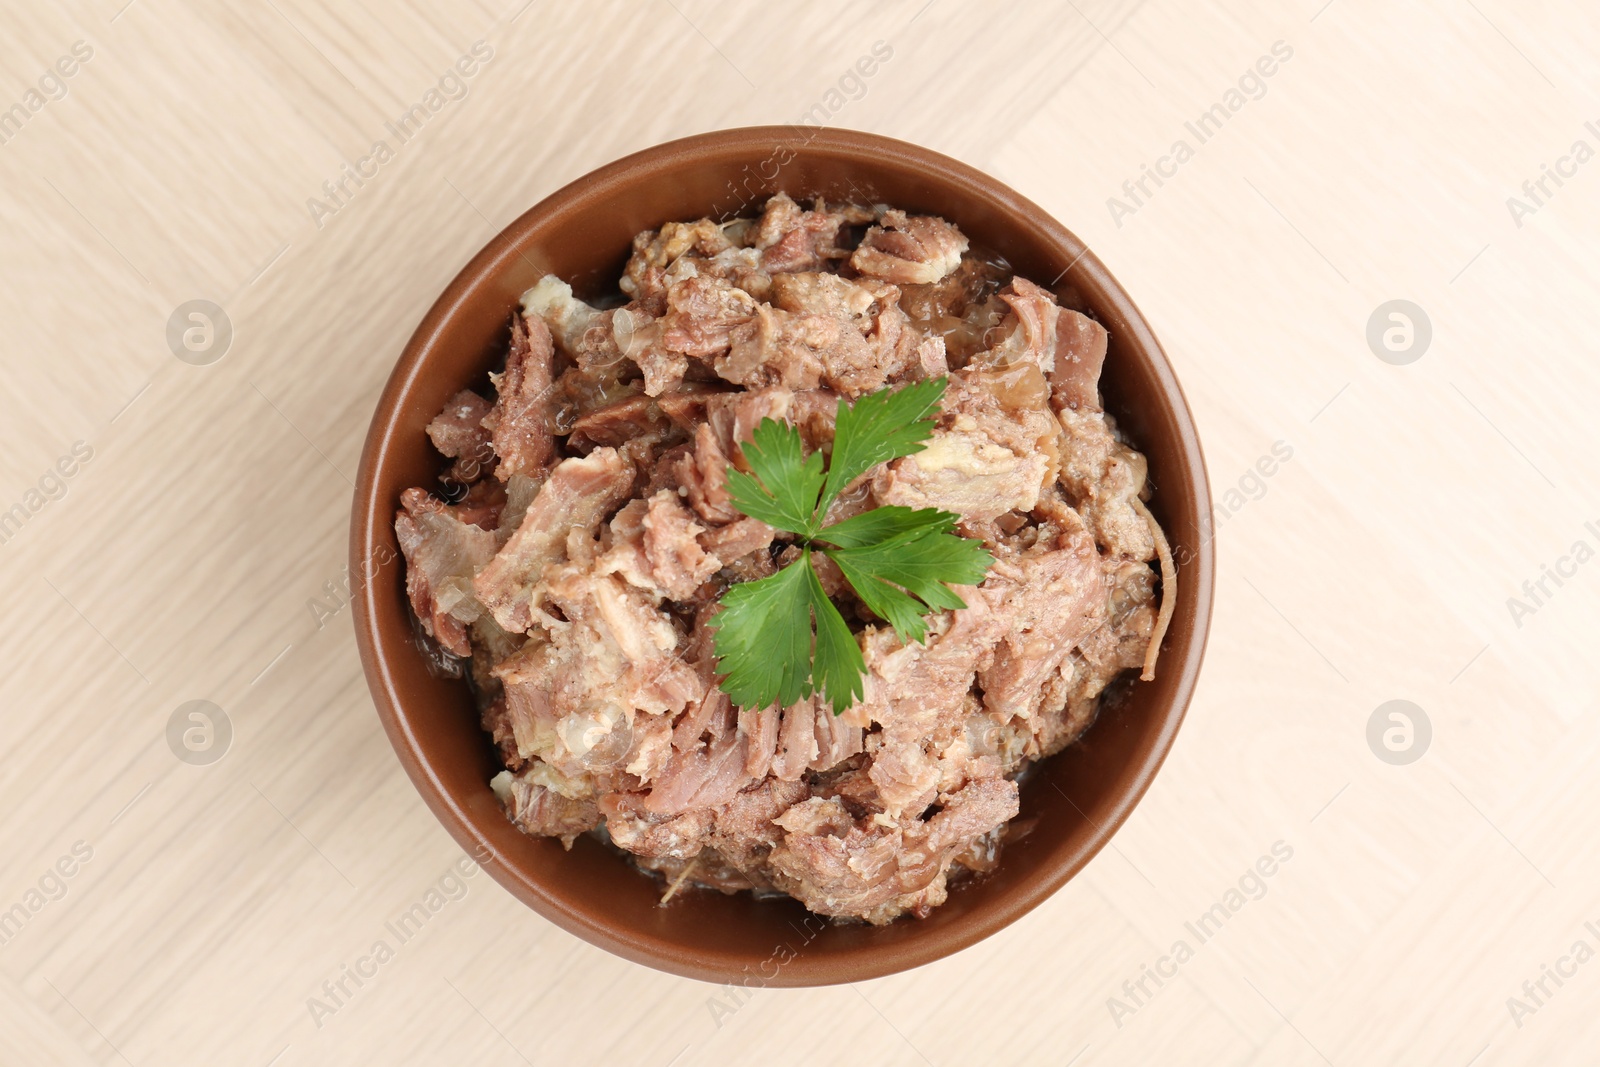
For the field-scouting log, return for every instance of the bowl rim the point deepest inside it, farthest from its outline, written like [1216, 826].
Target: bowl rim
[370, 514]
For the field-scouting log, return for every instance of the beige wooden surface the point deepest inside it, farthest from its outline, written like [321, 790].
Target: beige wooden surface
[179, 562]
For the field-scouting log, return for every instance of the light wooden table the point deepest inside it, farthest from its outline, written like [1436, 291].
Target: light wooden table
[206, 509]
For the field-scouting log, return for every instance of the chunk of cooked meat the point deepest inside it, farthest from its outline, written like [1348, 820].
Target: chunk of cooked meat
[459, 433]
[702, 473]
[483, 504]
[565, 317]
[583, 582]
[1080, 354]
[543, 812]
[820, 293]
[702, 313]
[1105, 476]
[442, 553]
[1067, 346]
[577, 496]
[733, 417]
[1028, 332]
[917, 696]
[813, 412]
[854, 331]
[654, 547]
[614, 425]
[791, 239]
[837, 864]
[773, 347]
[995, 450]
[520, 422]
[964, 472]
[1052, 598]
[707, 775]
[595, 689]
[737, 539]
[654, 251]
[909, 249]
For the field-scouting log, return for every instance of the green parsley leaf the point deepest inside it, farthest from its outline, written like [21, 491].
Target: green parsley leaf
[880, 524]
[877, 428]
[780, 639]
[763, 639]
[785, 496]
[924, 564]
[903, 611]
[839, 666]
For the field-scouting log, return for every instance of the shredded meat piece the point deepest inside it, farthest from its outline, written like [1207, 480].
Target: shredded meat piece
[654, 547]
[820, 293]
[702, 312]
[1052, 598]
[686, 406]
[737, 539]
[483, 504]
[578, 495]
[597, 688]
[852, 334]
[565, 317]
[1080, 353]
[662, 369]
[520, 422]
[1068, 347]
[932, 360]
[636, 829]
[994, 452]
[702, 473]
[704, 776]
[794, 240]
[909, 249]
[581, 583]
[620, 422]
[1169, 589]
[497, 723]
[442, 553]
[458, 432]
[1104, 477]
[839, 865]
[543, 812]
[1029, 331]
[656, 250]
[733, 417]
[813, 412]
[917, 695]
[774, 347]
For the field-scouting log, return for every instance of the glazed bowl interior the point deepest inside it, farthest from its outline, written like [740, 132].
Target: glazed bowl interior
[1071, 803]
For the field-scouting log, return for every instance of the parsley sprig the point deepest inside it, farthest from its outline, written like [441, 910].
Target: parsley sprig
[780, 639]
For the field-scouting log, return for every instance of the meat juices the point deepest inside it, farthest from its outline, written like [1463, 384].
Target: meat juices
[591, 534]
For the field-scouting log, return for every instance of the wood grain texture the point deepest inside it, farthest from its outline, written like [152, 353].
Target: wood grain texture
[177, 563]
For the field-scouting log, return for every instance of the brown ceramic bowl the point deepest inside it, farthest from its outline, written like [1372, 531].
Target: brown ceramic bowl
[582, 233]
